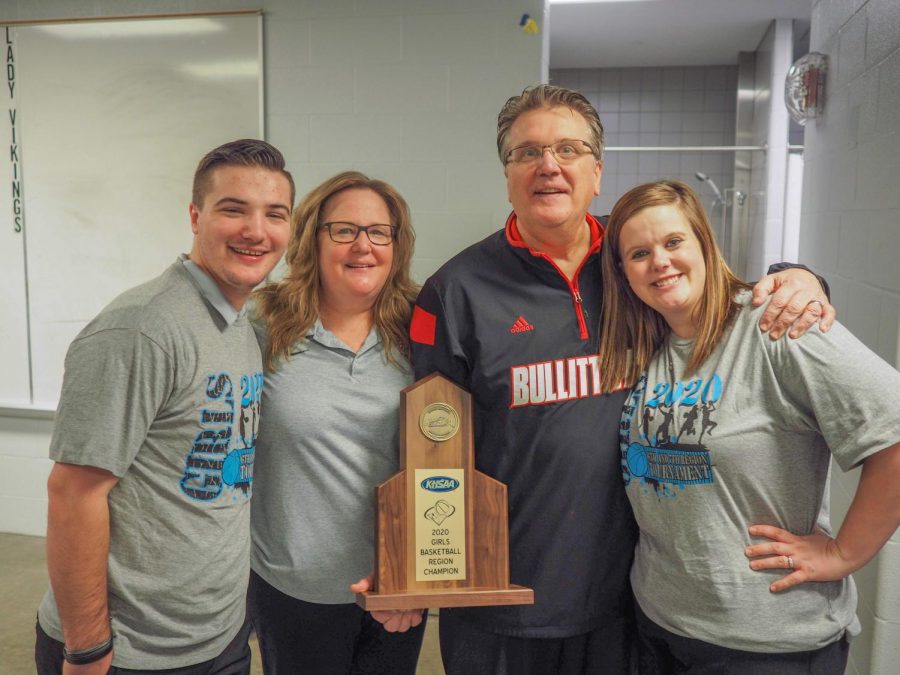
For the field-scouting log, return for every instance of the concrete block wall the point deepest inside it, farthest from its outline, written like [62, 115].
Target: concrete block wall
[658, 107]
[404, 90]
[850, 224]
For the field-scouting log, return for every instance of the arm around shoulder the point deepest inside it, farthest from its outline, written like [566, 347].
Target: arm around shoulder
[77, 551]
[798, 299]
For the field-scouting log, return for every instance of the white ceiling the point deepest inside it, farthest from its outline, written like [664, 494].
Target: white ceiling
[629, 33]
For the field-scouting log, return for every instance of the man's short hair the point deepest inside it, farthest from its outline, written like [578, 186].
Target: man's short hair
[244, 152]
[548, 96]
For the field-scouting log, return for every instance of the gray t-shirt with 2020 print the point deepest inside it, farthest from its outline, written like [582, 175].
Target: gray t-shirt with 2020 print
[748, 440]
[162, 389]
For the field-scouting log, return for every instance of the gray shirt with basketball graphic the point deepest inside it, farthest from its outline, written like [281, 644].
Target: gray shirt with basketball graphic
[162, 389]
[747, 439]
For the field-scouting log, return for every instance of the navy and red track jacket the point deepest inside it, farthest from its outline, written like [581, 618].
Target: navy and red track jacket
[502, 321]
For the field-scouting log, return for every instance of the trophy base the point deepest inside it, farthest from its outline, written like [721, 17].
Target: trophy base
[451, 597]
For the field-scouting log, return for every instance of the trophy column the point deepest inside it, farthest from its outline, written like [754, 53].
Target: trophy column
[441, 530]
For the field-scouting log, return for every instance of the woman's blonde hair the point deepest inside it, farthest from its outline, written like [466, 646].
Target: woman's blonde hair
[290, 307]
[631, 331]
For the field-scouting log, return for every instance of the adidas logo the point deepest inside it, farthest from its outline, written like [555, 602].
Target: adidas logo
[521, 325]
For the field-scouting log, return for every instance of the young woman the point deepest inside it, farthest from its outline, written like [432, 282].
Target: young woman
[334, 337]
[726, 441]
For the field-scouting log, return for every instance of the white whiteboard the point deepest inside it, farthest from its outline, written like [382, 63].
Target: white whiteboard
[111, 118]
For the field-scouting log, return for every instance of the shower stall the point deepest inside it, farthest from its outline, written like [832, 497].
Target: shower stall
[726, 207]
[722, 129]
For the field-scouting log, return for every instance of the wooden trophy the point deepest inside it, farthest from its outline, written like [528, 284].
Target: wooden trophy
[441, 532]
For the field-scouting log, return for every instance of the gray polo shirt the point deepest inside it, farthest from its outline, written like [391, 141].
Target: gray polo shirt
[329, 435]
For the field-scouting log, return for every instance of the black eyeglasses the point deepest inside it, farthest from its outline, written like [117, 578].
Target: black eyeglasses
[346, 233]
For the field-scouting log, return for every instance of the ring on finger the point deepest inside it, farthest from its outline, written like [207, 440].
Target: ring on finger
[790, 562]
[821, 305]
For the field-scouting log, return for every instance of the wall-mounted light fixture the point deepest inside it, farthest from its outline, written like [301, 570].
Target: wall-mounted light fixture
[804, 87]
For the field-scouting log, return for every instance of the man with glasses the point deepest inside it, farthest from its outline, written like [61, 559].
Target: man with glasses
[148, 534]
[513, 319]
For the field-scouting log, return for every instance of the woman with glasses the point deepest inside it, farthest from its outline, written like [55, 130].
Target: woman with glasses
[334, 337]
[726, 442]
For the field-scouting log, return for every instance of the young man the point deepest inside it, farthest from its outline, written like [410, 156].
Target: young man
[513, 319]
[148, 532]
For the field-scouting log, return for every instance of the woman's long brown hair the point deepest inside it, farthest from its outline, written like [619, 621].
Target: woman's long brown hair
[631, 332]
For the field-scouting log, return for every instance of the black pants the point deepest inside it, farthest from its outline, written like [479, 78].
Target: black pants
[234, 659]
[663, 653]
[297, 637]
[466, 649]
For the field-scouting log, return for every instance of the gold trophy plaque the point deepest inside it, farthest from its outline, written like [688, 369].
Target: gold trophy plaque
[441, 532]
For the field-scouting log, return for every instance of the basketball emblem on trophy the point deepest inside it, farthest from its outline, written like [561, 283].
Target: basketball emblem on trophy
[441, 510]
[439, 421]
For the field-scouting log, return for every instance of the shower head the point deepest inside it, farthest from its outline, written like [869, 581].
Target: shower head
[704, 178]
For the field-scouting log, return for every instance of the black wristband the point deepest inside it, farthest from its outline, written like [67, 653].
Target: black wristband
[85, 656]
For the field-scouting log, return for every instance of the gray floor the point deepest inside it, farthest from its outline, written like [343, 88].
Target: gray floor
[23, 580]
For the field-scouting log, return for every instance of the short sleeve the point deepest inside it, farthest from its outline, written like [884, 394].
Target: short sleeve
[115, 383]
[844, 386]
[436, 336]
